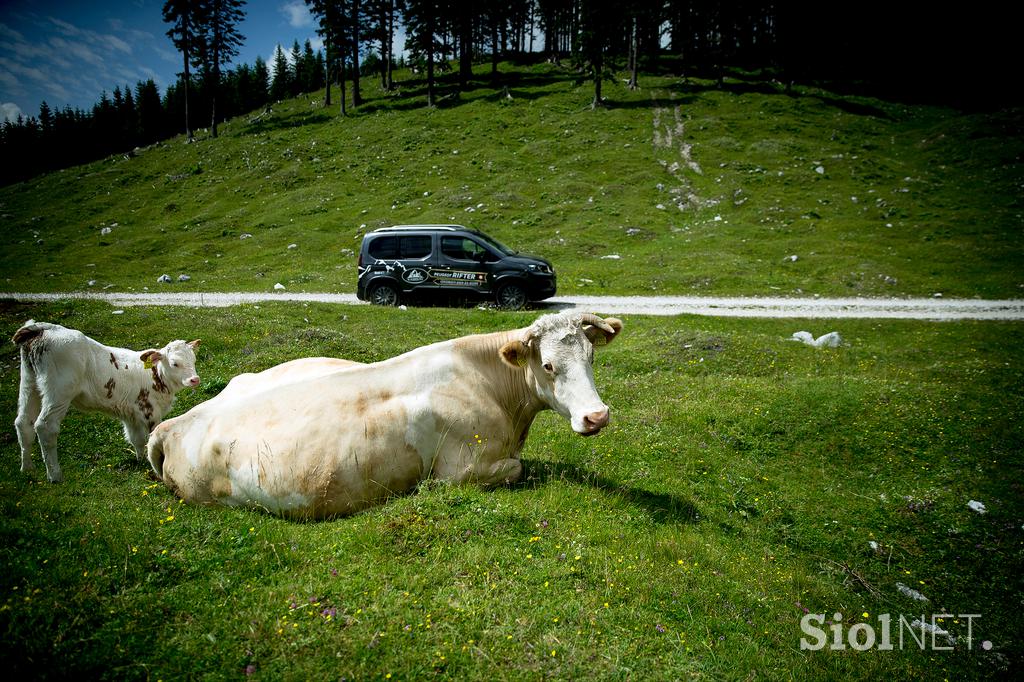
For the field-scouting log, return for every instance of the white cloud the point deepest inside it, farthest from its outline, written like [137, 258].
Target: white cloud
[10, 111]
[297, 14]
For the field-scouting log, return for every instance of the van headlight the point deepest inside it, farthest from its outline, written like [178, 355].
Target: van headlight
[533, 267]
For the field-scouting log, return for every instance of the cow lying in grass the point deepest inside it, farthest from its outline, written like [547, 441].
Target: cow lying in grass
[346, 439]
[61, 367]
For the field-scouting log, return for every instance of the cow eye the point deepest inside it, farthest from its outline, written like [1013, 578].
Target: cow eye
[548, 368]
[174, 364]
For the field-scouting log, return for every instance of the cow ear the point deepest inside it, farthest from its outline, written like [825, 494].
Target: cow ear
[193, 344]
[602, 337]
[150, 357]
[515, 353]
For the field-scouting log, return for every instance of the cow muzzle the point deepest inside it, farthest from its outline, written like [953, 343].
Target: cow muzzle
[593, 422]
[192, 381]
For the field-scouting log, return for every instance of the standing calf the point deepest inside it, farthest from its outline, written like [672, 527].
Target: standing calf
[62, 367]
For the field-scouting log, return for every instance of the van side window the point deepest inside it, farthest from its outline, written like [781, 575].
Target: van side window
[384, 248]
[415, 246]
[461, 248]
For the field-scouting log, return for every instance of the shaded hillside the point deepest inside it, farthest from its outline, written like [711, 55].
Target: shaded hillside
[696, 189]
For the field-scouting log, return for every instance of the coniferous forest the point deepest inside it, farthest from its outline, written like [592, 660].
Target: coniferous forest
[869, 48]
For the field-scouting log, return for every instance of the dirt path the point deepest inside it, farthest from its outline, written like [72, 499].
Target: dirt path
[820, 308]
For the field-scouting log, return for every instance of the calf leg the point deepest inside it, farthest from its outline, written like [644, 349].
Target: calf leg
[136, 434]
[502, 472]
[47, 426]
[29, 404]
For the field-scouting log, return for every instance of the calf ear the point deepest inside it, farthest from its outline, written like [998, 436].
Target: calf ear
[150, 357]
[602, 337]
[193, 344]
[515, 353]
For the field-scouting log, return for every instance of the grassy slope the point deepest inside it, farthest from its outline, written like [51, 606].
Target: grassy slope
[937, 205]
[741, 475]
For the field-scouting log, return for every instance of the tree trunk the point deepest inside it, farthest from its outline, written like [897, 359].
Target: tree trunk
[430, 76]
[634, 39]
[598, 77]
[391, 45]
[215, 82]
[430, 62]
[341, 85]
[327, 76]
[356, 97]
[465, 49]
[494, 50]
[187, 77]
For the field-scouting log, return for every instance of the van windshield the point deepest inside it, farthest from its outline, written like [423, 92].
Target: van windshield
[494, 244]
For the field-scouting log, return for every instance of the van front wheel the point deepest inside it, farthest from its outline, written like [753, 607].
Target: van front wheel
[511, 297]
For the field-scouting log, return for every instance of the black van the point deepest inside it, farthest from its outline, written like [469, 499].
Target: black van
[444, 259]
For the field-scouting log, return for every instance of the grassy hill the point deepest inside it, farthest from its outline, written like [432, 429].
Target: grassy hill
[872, 198]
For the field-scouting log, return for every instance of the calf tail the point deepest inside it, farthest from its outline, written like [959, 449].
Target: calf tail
[155, 452]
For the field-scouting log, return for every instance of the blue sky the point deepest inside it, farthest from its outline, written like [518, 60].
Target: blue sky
[67, 52]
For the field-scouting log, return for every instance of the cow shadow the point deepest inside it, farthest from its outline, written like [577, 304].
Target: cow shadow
[663, 507]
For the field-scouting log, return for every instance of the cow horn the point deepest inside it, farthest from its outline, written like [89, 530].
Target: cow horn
[594, 320]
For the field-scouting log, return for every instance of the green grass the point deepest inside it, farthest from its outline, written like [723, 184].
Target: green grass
[910, 201]
[741, 481]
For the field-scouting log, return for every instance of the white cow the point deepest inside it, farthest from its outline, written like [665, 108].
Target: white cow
[61, 367]
[346, 439]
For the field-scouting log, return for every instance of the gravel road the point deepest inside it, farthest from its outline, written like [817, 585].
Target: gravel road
[890, 308]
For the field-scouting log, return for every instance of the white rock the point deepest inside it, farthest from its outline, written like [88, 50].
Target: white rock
[278, 287]
[183, 278]
[934, 630]
[820, 170]
[974, 505]
[117, 312]
[105, 231]
[718, 218]
[91, 282]
[660, 207]
[164, 279]
[909, 592]
[830, 340]
[873, 545]
[792, 259]
[937, 294]
[245, 235]
[402, 307]
[293, 246]
[611, 256]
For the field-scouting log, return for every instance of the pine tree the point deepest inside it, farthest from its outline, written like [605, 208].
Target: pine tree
[297, 73]
[261, 82]
[183, 17]
[280, 86]
[310, 74]
[219, 40]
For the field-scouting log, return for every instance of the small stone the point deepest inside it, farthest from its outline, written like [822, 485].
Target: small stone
[278, 287]
[820, 170]
[105, 231]
[183, 278]
[245, 235]
[293, 246]
[164, 279]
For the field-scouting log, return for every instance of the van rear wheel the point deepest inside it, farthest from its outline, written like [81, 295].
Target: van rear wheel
[384, 294]
[511, 297]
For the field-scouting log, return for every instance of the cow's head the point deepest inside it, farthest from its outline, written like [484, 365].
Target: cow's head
[175, 363]
[557, 354]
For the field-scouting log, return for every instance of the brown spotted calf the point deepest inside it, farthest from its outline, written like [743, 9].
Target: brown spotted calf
[62, 367]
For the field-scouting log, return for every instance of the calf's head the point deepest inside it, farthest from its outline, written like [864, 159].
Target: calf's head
[175, 363]
[557, 354]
